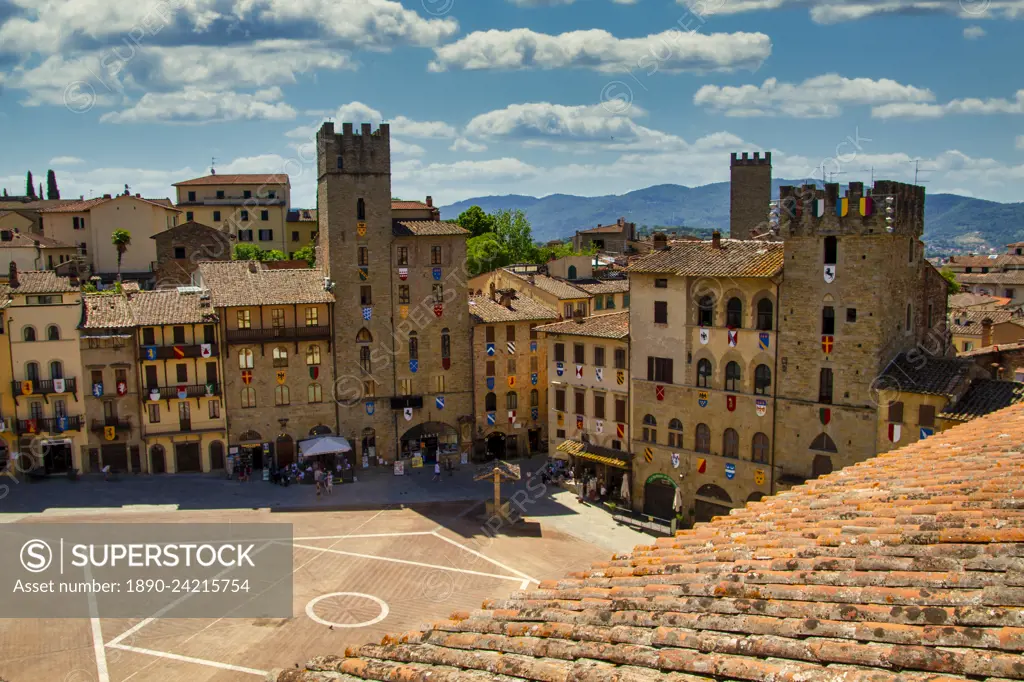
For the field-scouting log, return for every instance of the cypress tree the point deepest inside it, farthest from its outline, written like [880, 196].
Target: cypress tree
[52, 192]
[30, 189]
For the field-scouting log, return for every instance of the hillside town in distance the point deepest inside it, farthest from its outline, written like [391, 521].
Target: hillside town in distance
[688, 388]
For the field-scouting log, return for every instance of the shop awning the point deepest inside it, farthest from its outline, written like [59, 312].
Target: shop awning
[596, 453]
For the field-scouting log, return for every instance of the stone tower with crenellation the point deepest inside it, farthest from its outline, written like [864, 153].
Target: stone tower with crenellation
[857, 292]
[750, 192]
[401, 316]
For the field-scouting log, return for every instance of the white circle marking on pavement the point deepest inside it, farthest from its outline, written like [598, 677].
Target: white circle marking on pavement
[384, 610]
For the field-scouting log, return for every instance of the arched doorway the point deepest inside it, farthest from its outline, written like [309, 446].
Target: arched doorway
[250, 445]
[216, 455]
[716, 503]
[428, 440]
[369, 443]
[822, 465]
[659, 497]
[496, 445]
[157, 460]
[320, 430]
[755, 497]
[284, 448]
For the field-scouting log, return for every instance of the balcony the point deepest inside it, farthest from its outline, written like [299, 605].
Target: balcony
[119, 424]
[278, 334]
[191, 391]
[48, 425]
[44, 387]
[175, 351]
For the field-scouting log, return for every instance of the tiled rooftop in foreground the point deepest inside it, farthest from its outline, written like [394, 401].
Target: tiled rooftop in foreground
[909, 566]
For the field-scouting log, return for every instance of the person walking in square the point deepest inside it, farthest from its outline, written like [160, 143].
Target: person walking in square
[437, 471]
[330, 482]
[317, 475]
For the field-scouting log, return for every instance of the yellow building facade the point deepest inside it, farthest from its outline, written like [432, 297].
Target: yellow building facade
[252, 208]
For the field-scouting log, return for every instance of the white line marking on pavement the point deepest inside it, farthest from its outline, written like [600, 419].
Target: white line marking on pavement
[102, 674]
[189, 659]
[484, 556]
[365, 535]
[409, 563]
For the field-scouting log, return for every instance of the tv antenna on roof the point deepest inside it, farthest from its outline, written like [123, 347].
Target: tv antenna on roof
[213, 162]
[918, 169]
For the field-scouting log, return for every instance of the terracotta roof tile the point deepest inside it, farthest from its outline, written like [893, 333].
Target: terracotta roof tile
[20, 240]
[483, 310]
[5, 296]
[969, 300]
[1010, 277]
[425, 228]
[885, 570]
[86, 205]
[34, 205]
[302, 215]
[934, 376]
[171, 306]
[605, 286]
[106, 311]
[238, 179]
[611, 326]
[985, 396]
[736, 258]
[605, 229]
[1000, 260]
[400, 205]
[242, 283]
[552, 285]
[41, 282]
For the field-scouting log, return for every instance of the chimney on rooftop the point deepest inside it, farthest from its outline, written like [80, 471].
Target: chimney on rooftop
[494, 294]
[986, 333]
[430, 201]
[507, 297]
[12, 275]
[716, 240]
[106, 196]
[659, 241]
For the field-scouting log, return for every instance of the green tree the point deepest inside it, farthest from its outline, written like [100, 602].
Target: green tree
[476, 221]
[40, 195]
[246, 252]
[30, 187]
[307, 253]
[273, 254]
[952, 286]
[51, 185]
[515, 234]
[121, 239]
[486, 253]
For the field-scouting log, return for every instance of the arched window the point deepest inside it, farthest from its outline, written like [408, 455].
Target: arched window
[280, 356]
[511, 400]
[703, 372]
[759, 448]
[831, 250]
[446, 344]
[313, 355]
[706, 311]
[675, 433]
[281, 396]
[731, 444]
[414, 346]
[53, 333]
[490, 402]
[364, 336]
[56, 369]
[364, 358]
[245, 359]
[764, 315]
[650, 432]
[702, 439]
[762, 379]
[248, 397]
[732, 376]
[32, 371]
[360, 209]
[824, 443]
[572, 272]
[534, 398]
[734, 313]
[28, 333]
[315, 394]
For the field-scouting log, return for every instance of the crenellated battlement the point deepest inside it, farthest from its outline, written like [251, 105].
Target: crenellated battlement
[745, 160]
[366, 151]
[887, 208]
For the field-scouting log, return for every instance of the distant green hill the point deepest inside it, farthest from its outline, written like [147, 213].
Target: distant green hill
[952, 222]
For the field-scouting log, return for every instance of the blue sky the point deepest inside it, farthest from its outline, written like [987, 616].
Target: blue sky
[515, 96]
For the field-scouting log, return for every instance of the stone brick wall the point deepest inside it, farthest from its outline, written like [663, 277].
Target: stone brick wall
[750, 192]
[365, 173]
[524, 358]
[201, 243]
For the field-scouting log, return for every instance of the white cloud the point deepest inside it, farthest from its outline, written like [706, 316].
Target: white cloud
[994, 105]
[66, 161]
[195, 105]
[974, 32]
[836, 11]
[1020, 142]
[819, 97]
[672, 51]
[559, 126]
[461, 144]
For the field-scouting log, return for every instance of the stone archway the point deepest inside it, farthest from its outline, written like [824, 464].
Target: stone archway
[716, 502]
[428, 440]
[284, 448]
[496, 445]
[660, 496]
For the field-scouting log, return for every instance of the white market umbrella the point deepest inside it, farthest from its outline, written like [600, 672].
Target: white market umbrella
[325, 445]
[625, 487]
[677, 502]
